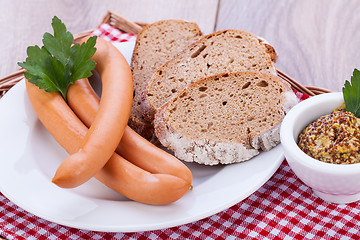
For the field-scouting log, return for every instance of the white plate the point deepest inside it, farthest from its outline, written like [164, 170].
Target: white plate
[30, 156]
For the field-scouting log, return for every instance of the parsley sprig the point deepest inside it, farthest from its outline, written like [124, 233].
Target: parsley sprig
[351, 93]
[59, 62]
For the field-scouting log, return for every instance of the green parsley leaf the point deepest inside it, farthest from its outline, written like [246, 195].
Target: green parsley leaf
[81, 66]
[59, 63]
[351, 93]
[59, 44]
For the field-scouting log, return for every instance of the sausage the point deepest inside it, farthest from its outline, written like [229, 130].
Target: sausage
[118, 173]
[83, 100]
[109, 124]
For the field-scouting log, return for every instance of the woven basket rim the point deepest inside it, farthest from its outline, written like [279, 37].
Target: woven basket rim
[125, 25]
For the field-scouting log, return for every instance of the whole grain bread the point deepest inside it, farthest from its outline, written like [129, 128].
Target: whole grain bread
[225, 118]
[156, 44]
[216, 53]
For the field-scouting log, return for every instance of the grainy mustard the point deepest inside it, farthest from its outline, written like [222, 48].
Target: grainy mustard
[333, 138]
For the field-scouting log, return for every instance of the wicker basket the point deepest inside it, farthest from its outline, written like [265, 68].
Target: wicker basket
[125, 25]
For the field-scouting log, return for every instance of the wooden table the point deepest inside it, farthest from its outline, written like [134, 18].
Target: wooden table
[317, 41]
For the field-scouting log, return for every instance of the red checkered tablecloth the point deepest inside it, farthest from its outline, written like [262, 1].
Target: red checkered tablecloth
[283, 208]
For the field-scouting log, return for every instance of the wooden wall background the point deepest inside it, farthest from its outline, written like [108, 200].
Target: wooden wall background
[318, 41]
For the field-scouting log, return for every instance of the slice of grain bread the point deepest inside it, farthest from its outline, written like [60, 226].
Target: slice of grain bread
[226, 118]
[156, 44]
[219, 52]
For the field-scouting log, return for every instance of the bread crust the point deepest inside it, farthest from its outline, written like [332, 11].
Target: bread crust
[210, 152]
[203, 151]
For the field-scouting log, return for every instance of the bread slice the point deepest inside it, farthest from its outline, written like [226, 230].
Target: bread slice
[156, 44]
[226, 118]
[216, 53]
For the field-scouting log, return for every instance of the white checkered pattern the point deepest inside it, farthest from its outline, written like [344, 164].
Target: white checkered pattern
[111, 34]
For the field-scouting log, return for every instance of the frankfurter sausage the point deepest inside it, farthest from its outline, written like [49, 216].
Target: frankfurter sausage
[118, 174]
[109, 124]
[83, 100]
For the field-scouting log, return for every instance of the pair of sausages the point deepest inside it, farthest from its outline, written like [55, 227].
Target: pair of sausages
[91, 129]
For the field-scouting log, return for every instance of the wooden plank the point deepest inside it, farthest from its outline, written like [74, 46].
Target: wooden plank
[22, 23]
[317, 41]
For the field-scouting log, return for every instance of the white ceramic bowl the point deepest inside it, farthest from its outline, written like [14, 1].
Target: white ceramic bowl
[331, 182]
